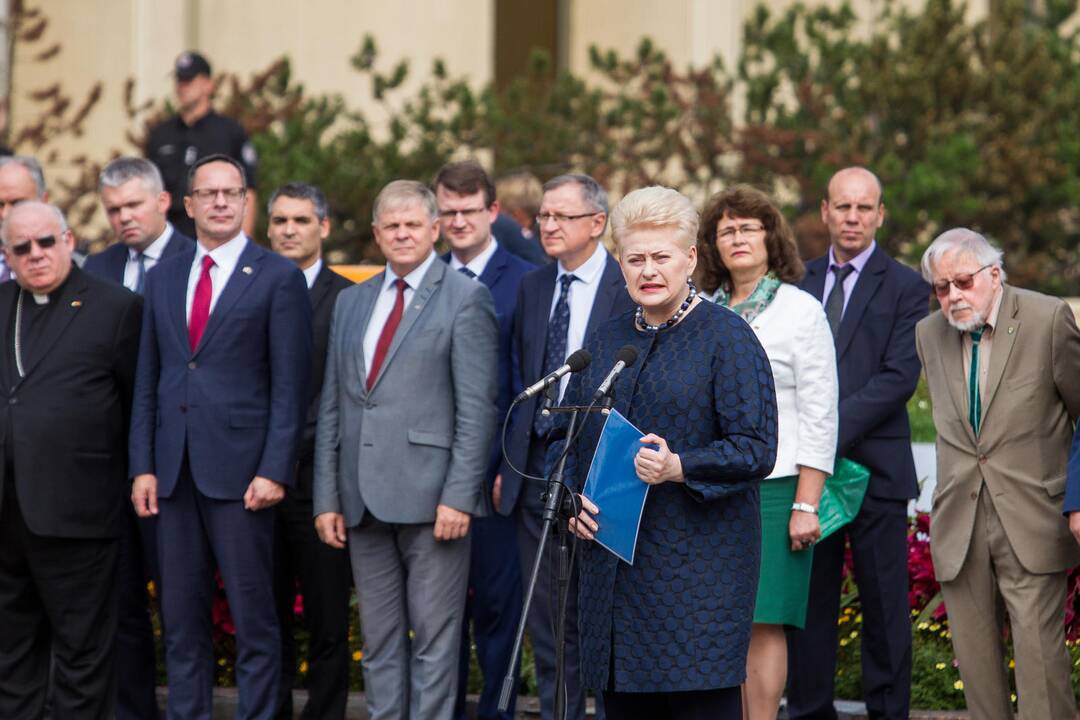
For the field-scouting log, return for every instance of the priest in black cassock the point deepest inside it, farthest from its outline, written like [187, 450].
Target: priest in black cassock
[67, 370]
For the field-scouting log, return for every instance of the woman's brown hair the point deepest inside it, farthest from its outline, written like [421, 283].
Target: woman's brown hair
[744, 201]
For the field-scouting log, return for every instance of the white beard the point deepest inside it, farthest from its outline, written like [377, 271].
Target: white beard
[975, 322]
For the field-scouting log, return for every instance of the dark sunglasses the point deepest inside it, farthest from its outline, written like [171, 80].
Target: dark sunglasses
[24, 248]
[962, 282]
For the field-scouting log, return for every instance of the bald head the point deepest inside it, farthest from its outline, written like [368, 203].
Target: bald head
[37, 245]
[855, 174]
[852, 211]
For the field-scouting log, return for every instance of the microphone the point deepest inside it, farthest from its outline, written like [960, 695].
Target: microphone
[578, 361]
[626, 357]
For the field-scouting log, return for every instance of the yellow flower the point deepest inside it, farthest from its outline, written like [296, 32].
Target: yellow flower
[858, 618]
[958, 685]
[844, 642]
[1014, 697]
[923, 625]
[1012, 664]
[940, 666]
[303, 667]
[221, 662]
[843, 619]
[357, 656]
[935, 627]
[854, 634]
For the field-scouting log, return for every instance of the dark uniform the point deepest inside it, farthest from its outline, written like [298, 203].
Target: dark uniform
[174, 147]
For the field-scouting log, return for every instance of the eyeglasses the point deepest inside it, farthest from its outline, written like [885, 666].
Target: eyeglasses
[561, 219]
[730, 232]
[207, 195]
[24, 248]
[962, 282]
[466, 213]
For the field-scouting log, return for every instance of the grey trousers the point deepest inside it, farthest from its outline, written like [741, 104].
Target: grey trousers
[992, 582]
[407, 582]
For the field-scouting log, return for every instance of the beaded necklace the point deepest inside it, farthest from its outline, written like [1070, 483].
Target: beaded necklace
[639, 315]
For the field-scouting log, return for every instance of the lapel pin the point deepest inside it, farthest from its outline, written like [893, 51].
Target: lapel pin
[246, 270]
[76, 303]
[1011, 328]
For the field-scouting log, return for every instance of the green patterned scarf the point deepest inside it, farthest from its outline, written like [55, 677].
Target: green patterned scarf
[759, 299]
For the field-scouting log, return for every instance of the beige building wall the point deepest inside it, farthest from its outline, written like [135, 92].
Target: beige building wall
[113, 40]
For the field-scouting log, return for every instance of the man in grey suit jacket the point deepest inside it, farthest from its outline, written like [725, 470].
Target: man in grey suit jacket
[401, 450]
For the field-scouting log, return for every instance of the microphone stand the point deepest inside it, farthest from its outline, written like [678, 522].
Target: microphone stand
[557, 513]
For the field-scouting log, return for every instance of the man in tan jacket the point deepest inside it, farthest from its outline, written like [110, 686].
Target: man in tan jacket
[1001, 364]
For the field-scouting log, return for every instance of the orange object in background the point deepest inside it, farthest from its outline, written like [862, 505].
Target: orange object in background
[357, 273]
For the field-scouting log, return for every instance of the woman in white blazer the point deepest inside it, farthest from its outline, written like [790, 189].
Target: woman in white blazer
[750, 263]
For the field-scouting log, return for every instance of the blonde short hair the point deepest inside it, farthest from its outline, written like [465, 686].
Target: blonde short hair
[520, 191]
[656, 207]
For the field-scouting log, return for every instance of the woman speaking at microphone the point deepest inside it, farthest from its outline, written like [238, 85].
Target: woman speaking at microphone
[667, 636]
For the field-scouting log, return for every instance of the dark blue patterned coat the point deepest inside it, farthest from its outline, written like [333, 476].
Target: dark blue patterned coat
[679, 618]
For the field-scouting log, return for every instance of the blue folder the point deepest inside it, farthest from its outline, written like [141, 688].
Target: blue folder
[613, 485]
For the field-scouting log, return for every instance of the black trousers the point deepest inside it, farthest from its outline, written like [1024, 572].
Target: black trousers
[58, 607]
[878, 537]
[324, 577]
[718, 704]
[136, 661]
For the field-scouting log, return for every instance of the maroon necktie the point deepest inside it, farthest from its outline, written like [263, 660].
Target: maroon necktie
[200, 305]
[387, 335]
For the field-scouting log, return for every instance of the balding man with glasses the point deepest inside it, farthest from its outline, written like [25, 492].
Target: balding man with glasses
[557, 307]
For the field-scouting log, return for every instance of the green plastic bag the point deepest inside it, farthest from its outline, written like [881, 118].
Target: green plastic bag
[843, 495]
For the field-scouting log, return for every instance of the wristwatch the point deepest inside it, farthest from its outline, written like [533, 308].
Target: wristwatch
[804, 507]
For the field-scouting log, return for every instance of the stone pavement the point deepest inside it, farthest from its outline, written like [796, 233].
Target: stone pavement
[528, 707]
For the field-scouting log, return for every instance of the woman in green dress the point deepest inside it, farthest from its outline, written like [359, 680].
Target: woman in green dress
[750, 263]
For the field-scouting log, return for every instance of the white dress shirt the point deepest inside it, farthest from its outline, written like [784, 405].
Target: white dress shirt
[479, 263]
[796, 337]
[312, 272]
[581, 296]
[225, 256]
[385, 303]
[151, 256]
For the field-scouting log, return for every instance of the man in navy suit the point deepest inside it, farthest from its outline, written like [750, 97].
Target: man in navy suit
[135, 203]
[872, 303]
[558, 306]
[467, 208]
[220, 391]
[299, 221]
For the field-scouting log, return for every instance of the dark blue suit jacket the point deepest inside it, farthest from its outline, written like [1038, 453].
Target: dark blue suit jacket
[530, 336]
[502, 276]
[236, 405]
[1072, 480]
[878, 368]
[509, 235]
[110, 262]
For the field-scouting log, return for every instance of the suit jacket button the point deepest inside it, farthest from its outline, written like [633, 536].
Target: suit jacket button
[982, 459]
[974, 496]
[13, 401]
[191, 365]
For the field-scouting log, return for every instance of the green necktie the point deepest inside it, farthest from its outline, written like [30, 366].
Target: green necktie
[974, 401]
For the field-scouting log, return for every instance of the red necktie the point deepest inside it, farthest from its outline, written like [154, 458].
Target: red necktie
[387, 335]
[200, 305]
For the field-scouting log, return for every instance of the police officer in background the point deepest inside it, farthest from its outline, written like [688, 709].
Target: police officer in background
[194, 132]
